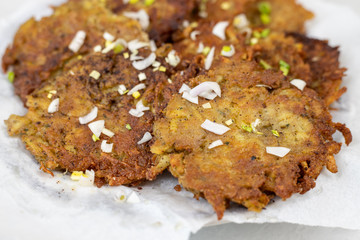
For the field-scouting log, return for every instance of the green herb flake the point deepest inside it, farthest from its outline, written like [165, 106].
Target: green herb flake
[265, 18]
[284, 67]
[265, 65]
[246, 127]
[11, 76]
[118, 48]
[128, 127]
[265, 33]
[276, 133]
[257, 34]
[95, 138]
[264, 7]
[226, 48]
[149, 2]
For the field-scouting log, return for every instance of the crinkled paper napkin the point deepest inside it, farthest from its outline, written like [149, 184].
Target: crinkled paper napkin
[34, 205]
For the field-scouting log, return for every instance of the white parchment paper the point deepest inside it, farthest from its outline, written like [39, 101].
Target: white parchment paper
[33, 205]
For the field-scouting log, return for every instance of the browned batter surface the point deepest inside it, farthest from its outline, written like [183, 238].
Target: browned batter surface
[241, 171]
[59, 142]
[40, 48]
[166, 16]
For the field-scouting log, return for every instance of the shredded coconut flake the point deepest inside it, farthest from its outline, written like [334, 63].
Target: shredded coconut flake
[300, 84]
[135, 45]
[208, 90]
[147, 137]
[153, 46]
[229, 122]
[87, 179]
[200, 48]
[97, 127]
[184, 88]
[136, 88]
[241, 21]
[265, 86]
[209, 59]
[219, 29]
[206, 105]
[111, 46]
[187, 96]
[107, 36]
[140, 16]
[278, 151]
[54, 106]
[139, 111]
[216, 144]
[143, 64]
[97, 48]
[108, 133]
[193, 35]
[106, 147]
[122, 89]
[95, 74]
[216, 128]
[142, 76]
[133, 198]
[89, 117]
[172, 58]
[77, 41]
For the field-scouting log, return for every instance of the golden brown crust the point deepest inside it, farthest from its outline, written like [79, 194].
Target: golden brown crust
[286, 16]
[59, 141]
[241, 171]
[40, 48]
[166, 16]
[324, 64]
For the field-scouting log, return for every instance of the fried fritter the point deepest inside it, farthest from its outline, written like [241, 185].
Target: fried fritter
[325, 67]
[59, 142]
[241, 170]
[285, 15]
[166, 16]
[40, 48]
[311, 60]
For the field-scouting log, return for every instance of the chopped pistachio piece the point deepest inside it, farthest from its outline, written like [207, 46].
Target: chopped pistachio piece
[149, 2]
[118, 48]
[284, 67]
[265, 33]
[206, 105]
[265, 18]
[11, 76]
[95, 138]
[206, 51]
[162, 69]
[226, 48]
[246, 127]
[264, 7]
[128, 127]
[276, 133]
[229, 122]
[95, 74]
[136, 94]
[265, 65]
